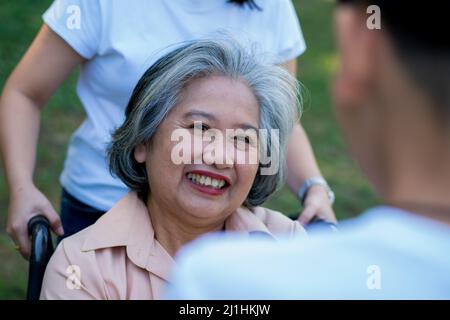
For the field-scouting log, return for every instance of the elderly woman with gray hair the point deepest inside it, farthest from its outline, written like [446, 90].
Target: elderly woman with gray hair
[223, 103]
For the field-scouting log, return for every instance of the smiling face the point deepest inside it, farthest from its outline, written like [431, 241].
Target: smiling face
[212, 184]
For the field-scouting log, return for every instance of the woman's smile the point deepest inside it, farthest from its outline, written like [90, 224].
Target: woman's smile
[208, 182]
[212, 183]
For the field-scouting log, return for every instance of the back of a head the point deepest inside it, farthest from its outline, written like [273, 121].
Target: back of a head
[418, 32]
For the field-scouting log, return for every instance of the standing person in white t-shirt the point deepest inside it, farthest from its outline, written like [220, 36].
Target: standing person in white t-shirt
[114, 42]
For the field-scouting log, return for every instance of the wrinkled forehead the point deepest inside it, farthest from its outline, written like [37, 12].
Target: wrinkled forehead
[218, 100]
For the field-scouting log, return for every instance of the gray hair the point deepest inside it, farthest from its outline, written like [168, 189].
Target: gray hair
[159, 89]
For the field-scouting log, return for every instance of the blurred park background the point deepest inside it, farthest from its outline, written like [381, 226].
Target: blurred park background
[21, 20]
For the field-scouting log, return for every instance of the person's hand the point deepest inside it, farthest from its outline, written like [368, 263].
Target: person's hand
[25, 203]
[317, 205]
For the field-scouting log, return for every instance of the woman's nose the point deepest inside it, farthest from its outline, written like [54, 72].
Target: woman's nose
[220, 155]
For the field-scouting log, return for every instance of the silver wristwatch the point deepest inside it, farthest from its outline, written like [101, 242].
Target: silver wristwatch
[316, 181]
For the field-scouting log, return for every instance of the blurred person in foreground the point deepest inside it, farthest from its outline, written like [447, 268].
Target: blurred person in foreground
[392, 100]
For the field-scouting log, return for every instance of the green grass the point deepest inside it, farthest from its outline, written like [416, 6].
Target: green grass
[21, 21]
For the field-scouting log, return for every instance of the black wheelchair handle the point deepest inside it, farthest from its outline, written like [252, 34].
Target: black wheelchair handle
[318, 223]
[41, 251]
[322, 224]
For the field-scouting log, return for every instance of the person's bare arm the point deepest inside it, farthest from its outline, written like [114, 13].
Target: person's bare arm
[301, 166]
[45, 65]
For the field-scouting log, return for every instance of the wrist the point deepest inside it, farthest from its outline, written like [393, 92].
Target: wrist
[316, 190]
[19, 187]
[315, 185]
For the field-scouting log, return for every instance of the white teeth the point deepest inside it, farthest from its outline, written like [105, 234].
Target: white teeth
[206, 181]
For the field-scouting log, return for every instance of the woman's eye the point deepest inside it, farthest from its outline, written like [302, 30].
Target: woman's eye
[244, 139]
[199, 126]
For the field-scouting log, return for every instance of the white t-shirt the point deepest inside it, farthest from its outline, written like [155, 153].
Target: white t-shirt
[122, 39]
[387, 253]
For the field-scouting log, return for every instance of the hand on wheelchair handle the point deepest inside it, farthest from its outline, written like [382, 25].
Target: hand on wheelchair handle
[25, 203]
[317, 205]
[316, 223]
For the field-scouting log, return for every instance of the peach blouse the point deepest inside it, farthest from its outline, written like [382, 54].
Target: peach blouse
[118, 257]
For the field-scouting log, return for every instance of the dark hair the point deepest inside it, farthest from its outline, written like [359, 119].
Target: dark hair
[250, 3]
[419, 33]
[414, 23]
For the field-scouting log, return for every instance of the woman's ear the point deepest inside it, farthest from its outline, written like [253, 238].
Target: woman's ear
[140, 153]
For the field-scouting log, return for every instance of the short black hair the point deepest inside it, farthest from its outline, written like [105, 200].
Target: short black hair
[423, 24]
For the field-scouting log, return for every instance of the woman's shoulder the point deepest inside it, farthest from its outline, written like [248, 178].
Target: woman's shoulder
[72, 273]
[71, 251]
[80, 264]
[102, 243]
[277, 222]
